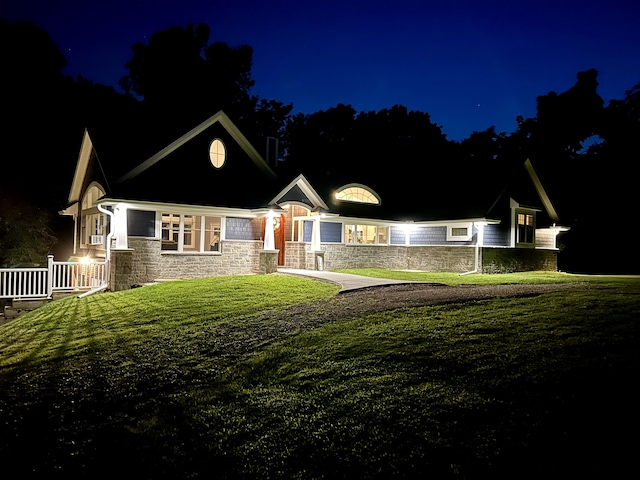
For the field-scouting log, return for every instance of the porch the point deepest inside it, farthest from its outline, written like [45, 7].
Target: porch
[26, 288]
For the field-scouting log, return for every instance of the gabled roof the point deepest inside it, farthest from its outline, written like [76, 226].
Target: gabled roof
[180, 172]
[541, 191]
[300, 190]
[229, 126]
[87, 160]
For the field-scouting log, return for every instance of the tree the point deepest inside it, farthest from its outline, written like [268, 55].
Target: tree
[179, 75]
[25, 233]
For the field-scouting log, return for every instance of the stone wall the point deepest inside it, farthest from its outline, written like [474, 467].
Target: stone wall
[510, 260]
[144, 262]
[457, 259]
[296, 256]
[428, 258]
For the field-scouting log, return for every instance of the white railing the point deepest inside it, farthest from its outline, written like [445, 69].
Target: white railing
[23, 283]
[41, 282]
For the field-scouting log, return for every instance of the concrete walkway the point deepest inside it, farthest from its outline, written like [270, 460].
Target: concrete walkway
[346, 281]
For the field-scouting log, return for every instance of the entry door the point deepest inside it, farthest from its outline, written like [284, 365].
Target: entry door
[278, 237]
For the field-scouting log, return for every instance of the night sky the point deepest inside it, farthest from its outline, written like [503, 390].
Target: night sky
[469, 64]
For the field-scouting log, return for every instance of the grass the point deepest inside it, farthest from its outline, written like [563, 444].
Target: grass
[176, 381]
[482, 279]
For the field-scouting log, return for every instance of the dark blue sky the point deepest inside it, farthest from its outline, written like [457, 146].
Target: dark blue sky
[469, 64]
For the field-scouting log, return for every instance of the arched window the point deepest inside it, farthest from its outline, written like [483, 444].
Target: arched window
[92, 223]
[217, 153]
[358, 194]
[93, 193]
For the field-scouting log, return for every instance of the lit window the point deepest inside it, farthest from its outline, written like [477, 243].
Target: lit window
[217, 153]
[365, 234]
[526, 228]
[190, 233]
[358, 194]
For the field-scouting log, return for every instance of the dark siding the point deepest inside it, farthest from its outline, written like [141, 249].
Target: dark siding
[428, 236]
[330, 232]
[397, 236]
[496, 236]
[241, 229]
[306, 230]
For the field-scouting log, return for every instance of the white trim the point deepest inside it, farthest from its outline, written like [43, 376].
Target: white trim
[184, 208]
[81, 168]
[306, 188]
[459, 238]
[361, 186]
[541, 191]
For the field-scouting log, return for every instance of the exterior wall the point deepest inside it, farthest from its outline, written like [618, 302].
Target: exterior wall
[296, 256]
[428, 258]
[545, 238]
[457, 259]
[510, 260]
[497, 235]
[145, 262]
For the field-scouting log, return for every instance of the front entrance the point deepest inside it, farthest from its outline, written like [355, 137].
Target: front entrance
[279, 228]
[278, 237]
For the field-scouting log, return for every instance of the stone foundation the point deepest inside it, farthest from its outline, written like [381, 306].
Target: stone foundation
[510, 260]
[145, 262]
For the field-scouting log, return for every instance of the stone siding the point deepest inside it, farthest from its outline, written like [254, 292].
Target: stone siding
[428, 258]
[510, 260]
[144, 262]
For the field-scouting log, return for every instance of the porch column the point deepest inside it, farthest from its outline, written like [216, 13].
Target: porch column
[269, 239]
[315, 235]
[119, 227]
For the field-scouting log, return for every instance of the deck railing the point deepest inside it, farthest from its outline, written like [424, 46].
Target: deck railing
[41, 282]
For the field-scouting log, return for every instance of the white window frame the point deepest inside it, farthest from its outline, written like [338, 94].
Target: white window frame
[181, 233]
[354, 233]
[527, 213]
[459, 238]
[93, 224]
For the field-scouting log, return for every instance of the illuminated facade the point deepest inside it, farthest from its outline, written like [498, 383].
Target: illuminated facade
[208, 204]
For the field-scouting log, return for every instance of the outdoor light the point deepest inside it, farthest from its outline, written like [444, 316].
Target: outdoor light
[86, 260]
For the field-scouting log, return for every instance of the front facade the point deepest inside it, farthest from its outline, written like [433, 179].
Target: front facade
[227, 213]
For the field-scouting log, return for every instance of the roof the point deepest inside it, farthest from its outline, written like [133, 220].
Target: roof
[179, 172]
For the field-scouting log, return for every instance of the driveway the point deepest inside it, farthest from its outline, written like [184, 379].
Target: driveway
[346, 281]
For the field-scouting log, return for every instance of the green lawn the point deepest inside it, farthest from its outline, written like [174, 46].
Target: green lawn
[181, 380]
[480, 279]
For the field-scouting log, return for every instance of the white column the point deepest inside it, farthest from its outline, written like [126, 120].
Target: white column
[119, 227]
[269, 239]
[315, 235]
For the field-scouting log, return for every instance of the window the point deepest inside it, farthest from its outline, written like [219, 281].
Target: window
[459, 233]
[170, 231]
[92, 221]
[217, 153]
[526, 227]
[365, 234]
[141, 223]
[190, 233]
[358, 194]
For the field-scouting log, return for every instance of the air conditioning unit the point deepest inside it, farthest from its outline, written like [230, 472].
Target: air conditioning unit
[96, 240]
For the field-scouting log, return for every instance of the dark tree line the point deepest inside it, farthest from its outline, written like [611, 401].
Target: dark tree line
[584, 150]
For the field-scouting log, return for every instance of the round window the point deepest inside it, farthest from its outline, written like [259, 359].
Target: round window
[217, 153]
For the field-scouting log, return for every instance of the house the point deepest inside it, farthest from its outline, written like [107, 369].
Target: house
[208, 204]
